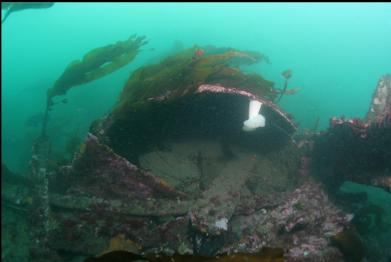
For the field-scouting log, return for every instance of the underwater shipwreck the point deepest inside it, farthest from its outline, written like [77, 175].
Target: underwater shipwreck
[197, 162]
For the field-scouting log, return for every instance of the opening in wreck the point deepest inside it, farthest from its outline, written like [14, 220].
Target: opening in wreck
[205, 116]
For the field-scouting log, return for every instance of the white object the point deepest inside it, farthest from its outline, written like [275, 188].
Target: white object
[255, 119]
[222, 224]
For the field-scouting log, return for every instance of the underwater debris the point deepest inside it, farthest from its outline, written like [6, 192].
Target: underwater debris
[102, 173]
[299, 212]
[146, 207]
[180, 89]
[358, 149]
[301, 224]
[82, 219]
[40, 221]
[250, 201]
[293, 224]
[224, 223]
[212, 211]
[379, 113]
[11, 7]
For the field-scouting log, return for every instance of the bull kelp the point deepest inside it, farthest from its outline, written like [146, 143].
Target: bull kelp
[195, 66]
[95, 64]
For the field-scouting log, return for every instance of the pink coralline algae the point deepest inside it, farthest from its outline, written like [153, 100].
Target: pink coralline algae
[380, 110]
[302, 225]
[379, 113]
[308, 205]
[100, 172]
[358, 127]
[216, 88]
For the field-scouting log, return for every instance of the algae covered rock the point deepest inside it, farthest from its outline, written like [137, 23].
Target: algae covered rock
[100, 172]
[358, 149]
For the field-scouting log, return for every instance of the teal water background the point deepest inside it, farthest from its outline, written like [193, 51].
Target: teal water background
[337, 53]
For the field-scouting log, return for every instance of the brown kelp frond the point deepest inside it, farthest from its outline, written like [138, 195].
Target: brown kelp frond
[190, 68]
[11, 7]
[97, 63]
[250, 55]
